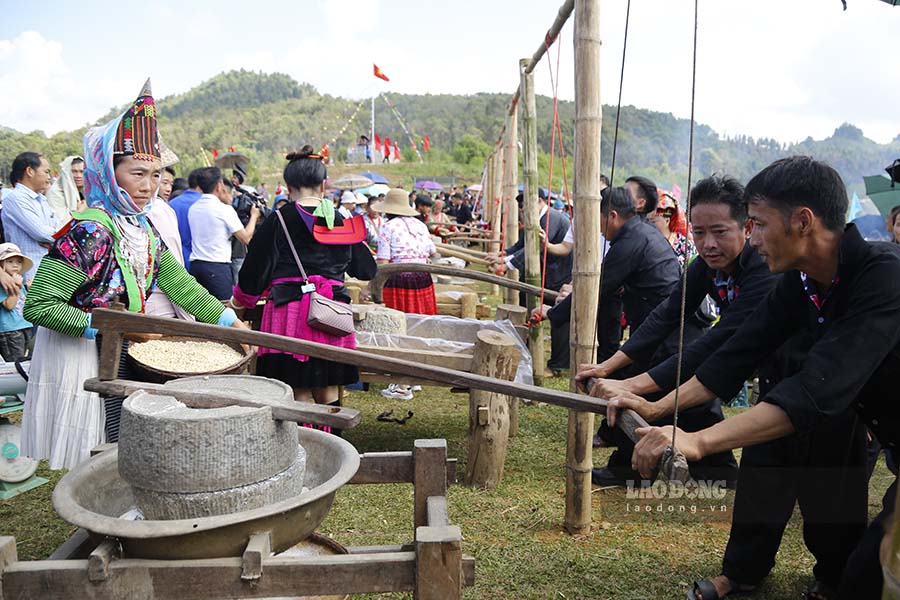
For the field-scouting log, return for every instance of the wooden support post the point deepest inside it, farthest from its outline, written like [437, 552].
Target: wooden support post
[439, 564]
[468, 304]
[515, 313]
[510, 191]
[497, 199]
[531, 212]
[495, 355]
[586, 269]
[258, 549]
[429, 476]
[111, 349]
[100, 558]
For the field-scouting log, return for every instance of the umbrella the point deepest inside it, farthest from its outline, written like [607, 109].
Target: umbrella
[227, 160]
[474, 188]
[375, 177]
[881, 191]
[351, 182]
[375, 189]
[428, 185]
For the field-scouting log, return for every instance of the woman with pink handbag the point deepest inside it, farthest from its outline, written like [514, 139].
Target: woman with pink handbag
[298, 257]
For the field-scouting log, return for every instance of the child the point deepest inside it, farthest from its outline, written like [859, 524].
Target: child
[14, 329]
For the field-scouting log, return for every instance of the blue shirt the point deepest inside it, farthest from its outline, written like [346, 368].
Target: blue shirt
[12, 320]
[181, 205]
[28, 222]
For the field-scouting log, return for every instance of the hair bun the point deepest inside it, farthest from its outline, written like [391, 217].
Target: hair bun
[304, 152]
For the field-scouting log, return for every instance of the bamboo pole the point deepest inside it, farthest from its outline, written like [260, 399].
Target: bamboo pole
[586, 269]
[488, 209]
[510, 188]
[561, 17]
[531, 214]
[497, 200]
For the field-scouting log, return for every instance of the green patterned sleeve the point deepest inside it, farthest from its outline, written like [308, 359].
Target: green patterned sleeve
[47, 301]
[183, 290]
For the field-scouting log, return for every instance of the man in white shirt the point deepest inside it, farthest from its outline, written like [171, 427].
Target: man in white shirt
[28, 220]
[213, 222]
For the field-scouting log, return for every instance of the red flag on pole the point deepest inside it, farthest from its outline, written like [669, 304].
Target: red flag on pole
[377, 143]
[387, 146]
[396, 151]
[426, 143]
[379, 73]
[215, 153]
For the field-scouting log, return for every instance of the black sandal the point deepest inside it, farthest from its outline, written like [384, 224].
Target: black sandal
[707, 590]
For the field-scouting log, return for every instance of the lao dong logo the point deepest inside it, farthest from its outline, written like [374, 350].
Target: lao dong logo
[692, 490]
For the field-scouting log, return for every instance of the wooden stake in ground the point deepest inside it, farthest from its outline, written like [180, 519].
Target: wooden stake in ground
[586, 268]
[516, 315]
[510, 191]
[531, 213]
[495, 355]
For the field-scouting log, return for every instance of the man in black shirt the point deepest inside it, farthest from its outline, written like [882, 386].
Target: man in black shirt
[459, 210]
[736, 277]
[840, 295]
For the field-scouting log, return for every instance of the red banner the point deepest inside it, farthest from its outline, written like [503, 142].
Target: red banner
[379, 73]
[426, 143]
[377, 143]
[396, 151]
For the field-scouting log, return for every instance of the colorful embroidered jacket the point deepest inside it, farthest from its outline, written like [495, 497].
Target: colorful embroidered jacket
[81, 272]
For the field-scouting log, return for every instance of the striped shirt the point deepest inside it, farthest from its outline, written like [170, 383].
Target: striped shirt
[28, 222]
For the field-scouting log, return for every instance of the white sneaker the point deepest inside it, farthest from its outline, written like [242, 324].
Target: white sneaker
[415, 388]
[397, 392]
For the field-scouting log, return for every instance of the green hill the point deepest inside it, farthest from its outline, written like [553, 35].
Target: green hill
[264, 115]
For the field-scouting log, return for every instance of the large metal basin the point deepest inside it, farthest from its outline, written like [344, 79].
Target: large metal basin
[93, 496]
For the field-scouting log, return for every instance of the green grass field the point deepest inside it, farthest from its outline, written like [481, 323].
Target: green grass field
[515, 532]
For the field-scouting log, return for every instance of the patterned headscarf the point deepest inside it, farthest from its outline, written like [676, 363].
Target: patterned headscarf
[133, 132]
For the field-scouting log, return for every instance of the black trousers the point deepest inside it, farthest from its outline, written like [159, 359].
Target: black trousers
[825, 473]
[862, 577]
[609, 331]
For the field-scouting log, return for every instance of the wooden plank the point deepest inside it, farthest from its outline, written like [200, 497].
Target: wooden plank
[385, 271]
[212, 579]
[450, 360]
[319, 414]
[393, 467]
[259, 548]
[79, 545]
[437, 511]
[468, 562]
[103, 318]
[439, 572]
[398, 379]
[429, 476]
[100, 559]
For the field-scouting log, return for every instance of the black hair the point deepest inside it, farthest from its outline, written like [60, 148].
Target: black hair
[604, 180]
[192, 178]
[208, 178]
[457, 195]
[647, 191]
[170, 170]
[179, 183]
[617, 199]
[797, 181]
[304, 169]
[721, 189]
[77, 160]
[117, 160]
[424, 200]
[22, 162]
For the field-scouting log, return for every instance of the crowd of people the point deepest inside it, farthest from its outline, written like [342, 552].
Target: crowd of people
[774, 282]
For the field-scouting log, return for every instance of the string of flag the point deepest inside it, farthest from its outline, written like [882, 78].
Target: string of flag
[409, 135]
[346, 125]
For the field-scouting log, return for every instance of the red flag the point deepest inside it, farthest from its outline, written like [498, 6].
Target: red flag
[387, 146]
[427, 143]
[231, 149]
[396, 151]
[377, 143]
[379, 73]
[215, 153]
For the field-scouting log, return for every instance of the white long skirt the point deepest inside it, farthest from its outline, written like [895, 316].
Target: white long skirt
[61, 421]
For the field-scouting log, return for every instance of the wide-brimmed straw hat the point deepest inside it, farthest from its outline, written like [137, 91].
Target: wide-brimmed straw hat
[9, 250]
[397, 203]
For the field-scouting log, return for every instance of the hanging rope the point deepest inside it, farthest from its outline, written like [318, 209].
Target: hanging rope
[555, 127]
[688, 214]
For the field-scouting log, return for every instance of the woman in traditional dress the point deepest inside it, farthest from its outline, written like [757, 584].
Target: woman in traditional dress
[438, 222]
[672, 223]
[107, 253]
[405, 239]
[319, 236]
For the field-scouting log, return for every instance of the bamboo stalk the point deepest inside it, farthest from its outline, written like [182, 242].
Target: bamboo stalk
[531, 214]
[510, 188]
[561, 17]
[586, 269]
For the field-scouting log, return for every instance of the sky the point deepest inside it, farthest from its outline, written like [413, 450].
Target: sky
[783, 69]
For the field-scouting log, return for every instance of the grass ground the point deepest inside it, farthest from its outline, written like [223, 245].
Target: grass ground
[515, 531]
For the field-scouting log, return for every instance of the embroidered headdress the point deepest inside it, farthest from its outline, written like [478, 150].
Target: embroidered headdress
[137, 134]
